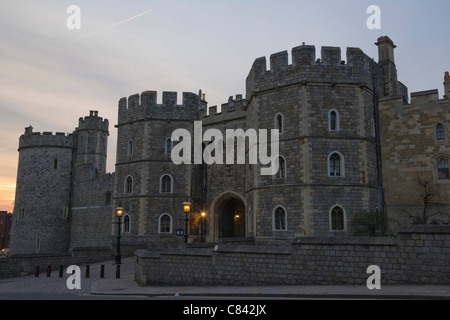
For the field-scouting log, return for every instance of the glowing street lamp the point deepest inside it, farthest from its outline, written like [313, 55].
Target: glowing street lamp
[203, 214]
[187, 209]
[119, 213]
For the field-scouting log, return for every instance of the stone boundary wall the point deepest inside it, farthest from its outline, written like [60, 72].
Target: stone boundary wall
[420, 255]
[22, 265]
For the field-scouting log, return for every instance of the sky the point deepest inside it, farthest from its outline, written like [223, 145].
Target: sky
[51, 75]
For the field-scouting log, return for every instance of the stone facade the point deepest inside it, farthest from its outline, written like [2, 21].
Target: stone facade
[338, 156]
[415, 151]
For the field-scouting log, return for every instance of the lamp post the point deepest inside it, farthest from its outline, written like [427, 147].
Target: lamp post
[119, 213]
[187, 208]
[203, 226]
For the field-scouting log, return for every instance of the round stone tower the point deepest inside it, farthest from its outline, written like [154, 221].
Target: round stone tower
[41, 211]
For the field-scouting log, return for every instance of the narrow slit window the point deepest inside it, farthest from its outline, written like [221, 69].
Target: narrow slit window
[168, 146]
[440, 132]
[279, 123]
[126, 224]
[282, 168]
[130, 148]
[129, 185]
[333, 120]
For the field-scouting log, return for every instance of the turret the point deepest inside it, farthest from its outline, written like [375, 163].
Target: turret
[91, 144]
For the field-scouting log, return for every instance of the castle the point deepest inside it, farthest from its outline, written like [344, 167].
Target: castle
[349, 141]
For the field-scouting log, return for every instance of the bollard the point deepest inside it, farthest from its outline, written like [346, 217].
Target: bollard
[61, 271]
[87, 271]
[36, 271]
[118, 271]
[49, 271]
[102, 271]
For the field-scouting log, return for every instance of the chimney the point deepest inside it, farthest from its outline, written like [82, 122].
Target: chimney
[447, 85]
[386, 60]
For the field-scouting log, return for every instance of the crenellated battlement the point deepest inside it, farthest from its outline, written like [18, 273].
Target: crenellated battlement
[307, 68]
[45, 139]
[234, 108]
[93, 122]
[144, 106]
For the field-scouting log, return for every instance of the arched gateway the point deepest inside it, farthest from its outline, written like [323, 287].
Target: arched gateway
[228, 216]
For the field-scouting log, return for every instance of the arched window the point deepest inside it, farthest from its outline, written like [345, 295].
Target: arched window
[282, 168]
[335, 165]
[55, 164]
[165, 223]
[333, 120]
[130, 148]
[279, 219]
[166, 184]
[129, 184]
[279, 122]
[440, 132]
[168, 146]
[337, 219]
[443, 172]
[126, 224]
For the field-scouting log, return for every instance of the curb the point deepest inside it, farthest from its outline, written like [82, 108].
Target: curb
[170, 292]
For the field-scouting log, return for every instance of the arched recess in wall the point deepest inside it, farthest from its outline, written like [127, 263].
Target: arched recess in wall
[228, 216]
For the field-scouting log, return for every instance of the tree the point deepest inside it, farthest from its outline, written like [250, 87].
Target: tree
[370, 223]
[430, 199]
